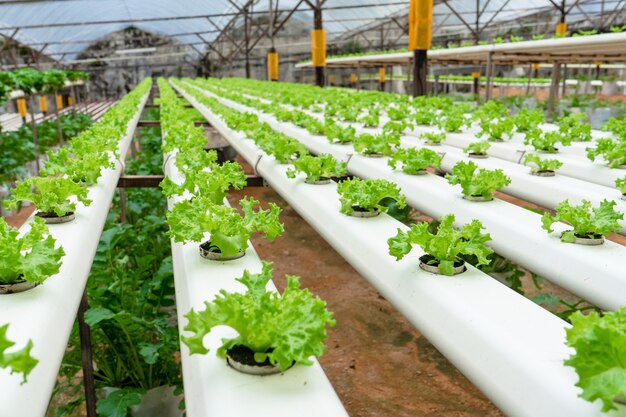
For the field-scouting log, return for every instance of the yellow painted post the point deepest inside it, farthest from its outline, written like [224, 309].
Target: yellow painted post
[21, 108]
[353, 79]
[272, 65]
[381, 78]
[331, 79]
[420, 36]
[561, 29]
[43, 104]
[59, 101]
[476, 82]
[318, 54]
[70, 101]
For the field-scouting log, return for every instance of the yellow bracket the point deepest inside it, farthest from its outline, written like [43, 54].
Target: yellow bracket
[318, 47]
[21, 107]
[272, 66]
[43, 104]
[420, 24]
[59, 101]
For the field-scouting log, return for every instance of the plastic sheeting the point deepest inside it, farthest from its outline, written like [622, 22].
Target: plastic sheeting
[189, 16]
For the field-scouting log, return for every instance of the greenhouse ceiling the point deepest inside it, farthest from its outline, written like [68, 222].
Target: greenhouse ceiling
[62, 29]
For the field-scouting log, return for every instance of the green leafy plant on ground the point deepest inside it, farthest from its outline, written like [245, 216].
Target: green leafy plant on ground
[586, 222]
[50, 195]
[31, 257]
[18, 361]
[367, 195]
[445, 246]
[413, 160]
[600, 355]
[477, 182]
[316, 168]
[282, 329]
[541, 164]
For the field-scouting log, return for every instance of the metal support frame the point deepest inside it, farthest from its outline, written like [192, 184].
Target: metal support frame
[554, 89]
[87, 358]
[488, 76]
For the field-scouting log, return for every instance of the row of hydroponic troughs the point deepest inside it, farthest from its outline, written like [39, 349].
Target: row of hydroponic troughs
[592, 273]
[283, 149]
[63, 192]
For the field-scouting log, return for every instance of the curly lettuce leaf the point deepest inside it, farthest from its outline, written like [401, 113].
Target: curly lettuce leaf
[600, 357]
[477, 182]
[413, 160]
[32, 257]
[446, 245]
[541, 164]
[586, 222]
[19, 361]
[50, 195]
[317, 167]
[368, 194]
[286, 329]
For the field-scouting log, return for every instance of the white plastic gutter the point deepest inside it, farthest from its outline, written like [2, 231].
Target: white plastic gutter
[46, 313]
[211, 387]
[546, 192]
[509, 347]
[593, 273]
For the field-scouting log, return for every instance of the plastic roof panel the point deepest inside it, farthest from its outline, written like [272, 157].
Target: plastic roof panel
[339, 18]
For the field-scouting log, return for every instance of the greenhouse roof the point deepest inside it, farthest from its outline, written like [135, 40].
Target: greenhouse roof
[62, 29]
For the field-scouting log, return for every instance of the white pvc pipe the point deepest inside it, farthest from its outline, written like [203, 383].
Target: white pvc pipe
[46, 313]
[211, 387]
[593, 273]
[515, 356]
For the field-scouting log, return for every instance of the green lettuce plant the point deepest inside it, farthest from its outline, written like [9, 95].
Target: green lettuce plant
[444, 247]
[19, 361]
[370, 119]
[212, 184]
[229, 231]
[453, 121]
[52, 195]
[413, 160]
[546, 141]
[477, 182]
[85, 168]
[541, 164]
[282, 329]
[338, 134]
[478, 148]
[369, 144]
[526, 120]
[575, 127]
[586, 222]
[497, 129]
[32, 257]
[620, 183]
[433, 137]
[612, 151]
[316, 168]
[599, 342]
[368, 195]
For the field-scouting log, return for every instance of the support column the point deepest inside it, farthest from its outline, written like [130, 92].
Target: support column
[35, 140]
[488, 76]
[554, 89]
[476, 83]
[247, 41]
[420, 72]
[319, 46]
[420, 33]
